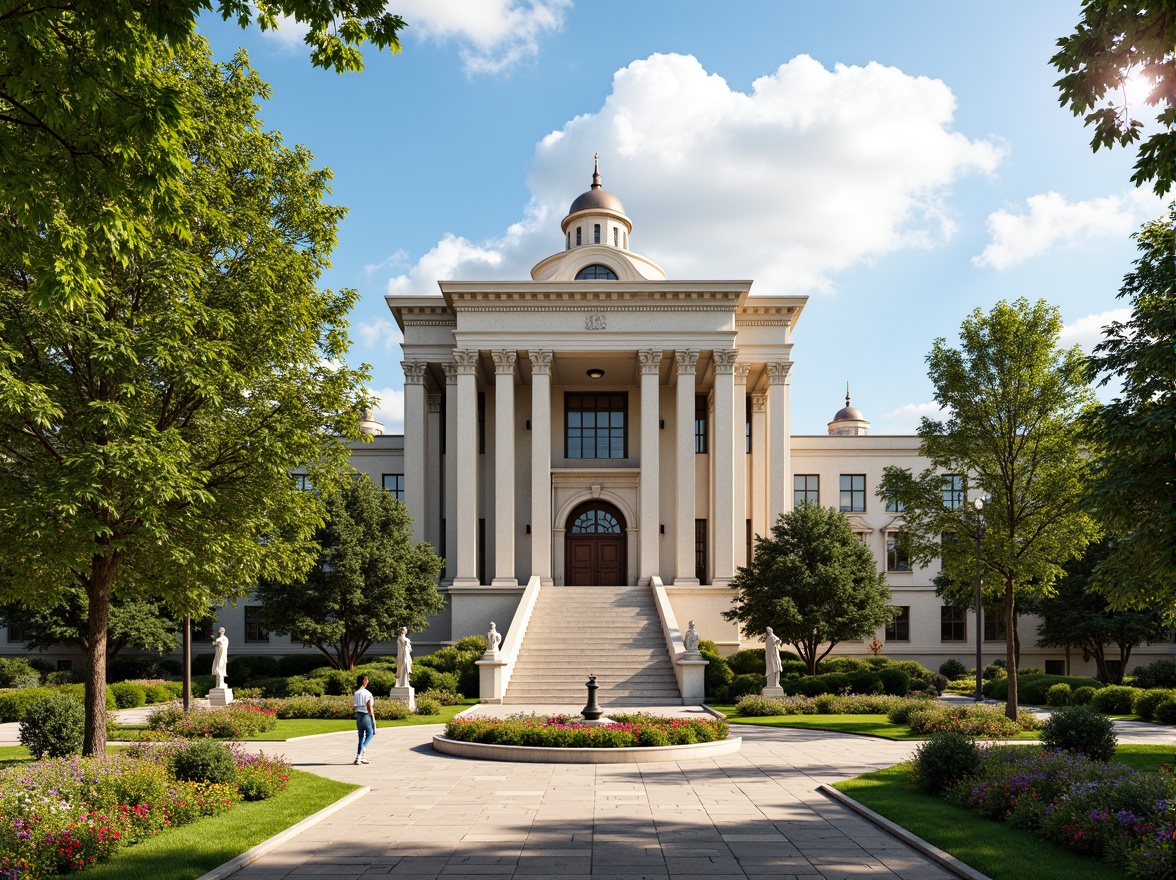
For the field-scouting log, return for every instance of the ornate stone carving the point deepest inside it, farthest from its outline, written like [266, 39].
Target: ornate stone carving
[778, 372]
[541, 361]
[759, 403]
[687, 360]
[741, 371]
[725, 359]
[434, 401]
[595, 321]
[504, 361]
[414, 372]
[450, 371]
[650, 360]
[465, 361]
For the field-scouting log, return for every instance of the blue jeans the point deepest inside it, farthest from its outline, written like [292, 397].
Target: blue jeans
[367, 729]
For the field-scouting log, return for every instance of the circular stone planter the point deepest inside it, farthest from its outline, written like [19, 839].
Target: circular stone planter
[541, 755]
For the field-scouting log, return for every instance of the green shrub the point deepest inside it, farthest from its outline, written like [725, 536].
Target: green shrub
[128, 695]
[276, 686]
[993, 671]
[1058, 694]
[842, 664]
[303, 684]
[1027, 670]
[1080, 729]
[64, 676]
[1033, 688]
[975, 720]
[1147, 701]
[14, 703]
[18, 672]
[1166, 712]
[244, 668]
[742, 685]
[127, 667]
[459, 660]
[944, 761]
[952, 669]
[1082, 696]
[425, 678]
[381, 679]
[427, 706]
[1115, 699]
[472, 644]
[158, 693]
[717, 675]
[1160, 674]
[53, 726]
[444, 698]
[299, 664]
[895, 682]
[749, 661]
[204, 760]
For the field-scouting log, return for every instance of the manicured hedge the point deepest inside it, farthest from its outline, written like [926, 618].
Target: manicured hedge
[14, 703]
[568, 732]
[1033, 689]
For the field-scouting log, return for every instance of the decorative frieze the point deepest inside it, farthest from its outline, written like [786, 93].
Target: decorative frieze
[595, 321]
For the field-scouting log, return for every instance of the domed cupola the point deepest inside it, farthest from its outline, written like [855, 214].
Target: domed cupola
[849, 421]
[597, 217]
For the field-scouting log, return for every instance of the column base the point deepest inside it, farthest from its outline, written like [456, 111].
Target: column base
[466, 582]
[686, 582]
[722, 581]
[504, 582]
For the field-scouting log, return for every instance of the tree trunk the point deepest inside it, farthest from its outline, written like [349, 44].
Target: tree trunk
[98, 587]
[1100, 663]
[1010, 651]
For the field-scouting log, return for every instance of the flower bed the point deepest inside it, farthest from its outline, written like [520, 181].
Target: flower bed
[65, 815]
[567, 732]
[984, 722]
[235, 721]
[307, 706]
[1105, 810]
[755, 706]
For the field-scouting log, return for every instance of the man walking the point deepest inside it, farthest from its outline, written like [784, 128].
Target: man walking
[365, 718]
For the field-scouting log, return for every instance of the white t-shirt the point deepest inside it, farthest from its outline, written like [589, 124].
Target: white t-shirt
[361, 699]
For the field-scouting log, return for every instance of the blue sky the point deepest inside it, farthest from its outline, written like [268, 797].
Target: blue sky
[899, 163]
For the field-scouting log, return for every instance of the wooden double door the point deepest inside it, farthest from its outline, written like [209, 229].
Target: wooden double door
[595, 546]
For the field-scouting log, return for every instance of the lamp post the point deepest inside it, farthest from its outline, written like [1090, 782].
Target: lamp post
[979, 505]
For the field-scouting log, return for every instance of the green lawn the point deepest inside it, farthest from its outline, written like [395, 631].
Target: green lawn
[192, 850]
[993, 848]
[864, 725]
[12, 755]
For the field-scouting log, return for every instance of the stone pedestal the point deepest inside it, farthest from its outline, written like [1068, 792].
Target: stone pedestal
[220, 697]
[772, 692]
[490, 667]
[693, 668]
[405, 695]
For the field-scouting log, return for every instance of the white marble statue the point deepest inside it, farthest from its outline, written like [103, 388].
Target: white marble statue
[403, 658]
[220, 658]
[772, 657]
[493, 639]
[690, 639]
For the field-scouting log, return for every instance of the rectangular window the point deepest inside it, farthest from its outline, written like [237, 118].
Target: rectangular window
[953, 491]
[899, 629]
[893, 505]
[806, 488]
[853, 493]
[481, 423]
[1055, 667]
[65, 666]
[394, 483]
[953, 624]
[700, 550]
[15, 632]
[481, 551]
[595, 425]
[750, 539]
[301, 481]
[747, 426]
[202, 628]
[897, 552]
[614, 236]
[700, 419]
[994, 625]
[596, 233]
[253, 630]
[579, 236]
[1113, 669]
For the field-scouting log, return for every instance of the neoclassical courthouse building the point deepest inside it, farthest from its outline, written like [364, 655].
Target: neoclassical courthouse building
[603, 424]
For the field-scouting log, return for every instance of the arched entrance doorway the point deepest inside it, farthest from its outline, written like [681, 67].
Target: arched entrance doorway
[595, 539]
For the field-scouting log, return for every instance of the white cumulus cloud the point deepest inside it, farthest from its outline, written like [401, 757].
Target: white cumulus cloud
[381, 332]
[812, 171]
[1050, 221]
[906, 419]
[1087, 331]
[389, 408]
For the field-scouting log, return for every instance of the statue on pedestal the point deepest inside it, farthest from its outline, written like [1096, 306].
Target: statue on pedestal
[403, 658]
[772, 657]
[690, 639]
[493, 640]
[220, 657]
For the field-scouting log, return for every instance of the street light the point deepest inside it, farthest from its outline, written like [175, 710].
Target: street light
[979, 505]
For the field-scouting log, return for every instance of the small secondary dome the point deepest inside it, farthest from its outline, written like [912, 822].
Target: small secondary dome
[849, 421]
[596, 198]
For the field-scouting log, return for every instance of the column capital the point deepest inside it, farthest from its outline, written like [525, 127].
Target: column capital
[725, 359]
[465, 361]
[650, 359]
[687, 360]
[434, 401]
[778, 372]
[504, 361]
[759, 403]
[450, 370]
[741, 371]
[541, 361]
[414, 372]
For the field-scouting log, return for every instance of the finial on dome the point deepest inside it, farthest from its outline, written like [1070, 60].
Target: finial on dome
[596, 171]
[847, 392]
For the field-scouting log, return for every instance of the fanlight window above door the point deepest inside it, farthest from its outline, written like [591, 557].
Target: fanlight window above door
[596, 522]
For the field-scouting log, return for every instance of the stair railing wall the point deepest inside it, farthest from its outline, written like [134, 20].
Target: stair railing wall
[689, 671]
[495, 670]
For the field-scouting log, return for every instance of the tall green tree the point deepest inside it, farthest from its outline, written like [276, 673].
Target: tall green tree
[370, 579]
[813, 582]
[1078, 617]
[1012, 398]
[148, 423]
[1133, 490]
[1116, 41]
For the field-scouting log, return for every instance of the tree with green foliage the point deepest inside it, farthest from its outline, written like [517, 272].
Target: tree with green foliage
[1114, 42]
[1011, 397]
[813, 582]
[1133, 490]
[133, 623]
[1077, 617]
[369, 581]
[153, 405]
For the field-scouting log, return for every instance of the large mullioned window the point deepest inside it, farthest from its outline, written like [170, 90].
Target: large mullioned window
[596, 425]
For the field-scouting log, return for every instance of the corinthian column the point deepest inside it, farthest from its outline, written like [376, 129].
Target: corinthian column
[466, 451]
[687, 361]
[504, 470]
[723, 488]
[414, 446]
[433, 464]
[450, 514]
[779, 496]
[759, 464]
[648, 556]
[739, 471]
[541, 464]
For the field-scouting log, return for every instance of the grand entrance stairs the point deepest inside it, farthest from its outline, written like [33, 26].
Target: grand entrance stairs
[610, 632]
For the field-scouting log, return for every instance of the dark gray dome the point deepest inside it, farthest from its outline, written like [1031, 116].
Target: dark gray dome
[847, 414]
